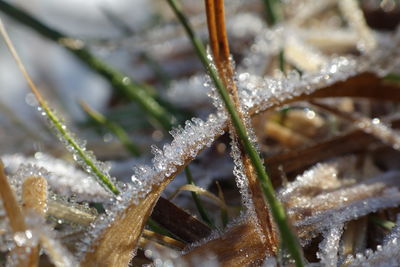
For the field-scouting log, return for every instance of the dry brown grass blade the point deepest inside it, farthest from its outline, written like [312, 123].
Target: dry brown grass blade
[164, 240]
[224, 67]
[34, 195]
[365, 85]
[178, 222]
[239, 246]
[16, 220]
[200, 191]
[116, 244]
[286, 136]
[10, 204]
[34, 198]
[71, 214]
[301, 158]
[354, 236]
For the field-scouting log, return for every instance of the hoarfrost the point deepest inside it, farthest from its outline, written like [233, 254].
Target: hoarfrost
[342, 205]
[329, 247]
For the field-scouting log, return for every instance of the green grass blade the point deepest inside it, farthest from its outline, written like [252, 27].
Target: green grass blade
[277, 210]
[113, 127]
[199, 205]
[388, 225]
[272, 9]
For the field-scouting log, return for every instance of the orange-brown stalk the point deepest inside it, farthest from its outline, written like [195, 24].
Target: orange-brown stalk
[10, 204]
[16, 219]
[221, 53]
[34, 198]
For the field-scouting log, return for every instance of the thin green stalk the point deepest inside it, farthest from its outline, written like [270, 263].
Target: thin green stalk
[224, 211]
[282, 61]
[388, 225]
[272, 9]
[113, 127]
[133, 90]
[203, 213]
[275, 205]
[392, 77]
[155, 227]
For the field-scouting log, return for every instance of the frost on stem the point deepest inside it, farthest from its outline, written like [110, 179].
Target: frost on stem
[329, 247]
[344, 204]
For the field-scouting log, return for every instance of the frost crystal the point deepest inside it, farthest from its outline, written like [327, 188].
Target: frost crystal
[330, 245]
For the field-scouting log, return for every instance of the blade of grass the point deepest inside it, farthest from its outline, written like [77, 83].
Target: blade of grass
[10, 204]
[199, 205]
[224, 211]
[181, 223]
[113, 127]
[34, 198]
[273, 11]
[386, 224]
[16, 219]
[277, 209]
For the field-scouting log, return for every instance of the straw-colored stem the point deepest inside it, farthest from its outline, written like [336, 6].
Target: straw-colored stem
[10, 204]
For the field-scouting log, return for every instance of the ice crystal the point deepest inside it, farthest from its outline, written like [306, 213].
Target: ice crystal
[330, 245]
[62, 177]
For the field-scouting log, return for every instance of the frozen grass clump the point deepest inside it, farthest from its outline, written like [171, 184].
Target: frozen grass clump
[293, 138]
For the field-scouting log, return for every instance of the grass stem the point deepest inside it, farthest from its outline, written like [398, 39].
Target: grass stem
[199, 205]
[113, 127]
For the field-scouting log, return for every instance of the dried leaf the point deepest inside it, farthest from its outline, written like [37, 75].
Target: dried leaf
[178, 222]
